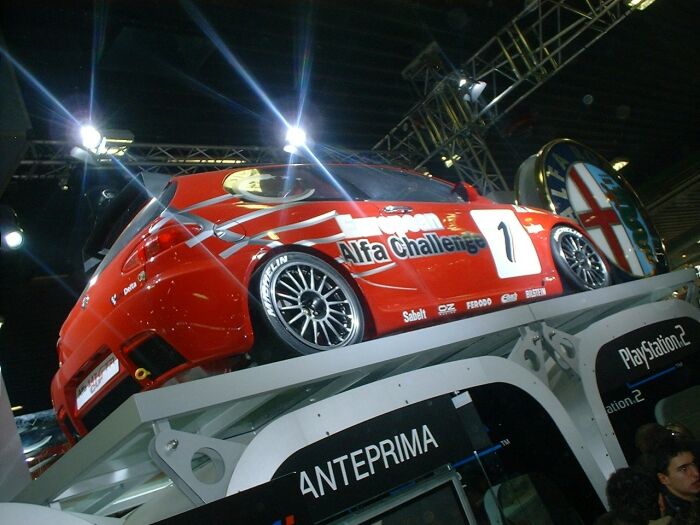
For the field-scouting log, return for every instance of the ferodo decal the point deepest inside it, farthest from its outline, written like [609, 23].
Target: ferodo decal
[265, 291]
[479, 303]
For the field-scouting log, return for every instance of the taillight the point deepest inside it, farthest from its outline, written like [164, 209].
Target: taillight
[155, 244]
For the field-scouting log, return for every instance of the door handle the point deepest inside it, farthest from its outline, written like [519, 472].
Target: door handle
[397, 209]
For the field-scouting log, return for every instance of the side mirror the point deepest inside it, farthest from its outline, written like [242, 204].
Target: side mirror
[465, 190]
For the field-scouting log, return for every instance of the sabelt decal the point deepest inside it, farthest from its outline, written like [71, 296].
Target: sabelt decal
[412, 316]
[479, 303]
[509, 297]
[447, 309]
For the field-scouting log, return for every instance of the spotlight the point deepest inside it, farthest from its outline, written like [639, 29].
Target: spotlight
[619, 163]
[90, 137]
[112, 142]
[296, 137]
[11, 233]
[471, 90]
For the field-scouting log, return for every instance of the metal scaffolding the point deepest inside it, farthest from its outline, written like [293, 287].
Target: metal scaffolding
[50, 159]
[530, 49]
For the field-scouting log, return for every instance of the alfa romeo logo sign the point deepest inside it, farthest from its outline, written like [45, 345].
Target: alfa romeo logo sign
[574, 181]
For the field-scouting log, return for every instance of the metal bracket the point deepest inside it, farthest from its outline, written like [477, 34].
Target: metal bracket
[539, 342]
[200, 466]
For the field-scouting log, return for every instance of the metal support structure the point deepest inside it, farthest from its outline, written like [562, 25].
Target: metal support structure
[51, 159]
[534, 46]
[178, 453]
[150, 440]
[541, 345]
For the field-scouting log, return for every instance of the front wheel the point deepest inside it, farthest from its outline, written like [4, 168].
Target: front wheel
[308, 305]
[579, 263]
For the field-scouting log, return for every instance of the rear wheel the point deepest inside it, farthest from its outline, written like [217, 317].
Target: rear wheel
[579, 262]
[307, 304]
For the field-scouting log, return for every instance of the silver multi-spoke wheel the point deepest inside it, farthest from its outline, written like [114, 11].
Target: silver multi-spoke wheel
[578, 259]
[305, 298]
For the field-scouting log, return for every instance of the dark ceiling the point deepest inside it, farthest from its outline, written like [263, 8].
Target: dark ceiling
[158, 74]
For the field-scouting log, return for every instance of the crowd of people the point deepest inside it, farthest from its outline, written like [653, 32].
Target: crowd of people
[663, 485]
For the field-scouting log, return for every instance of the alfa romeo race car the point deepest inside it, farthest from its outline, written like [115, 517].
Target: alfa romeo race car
[303, 258]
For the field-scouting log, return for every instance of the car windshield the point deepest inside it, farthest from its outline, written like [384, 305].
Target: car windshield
[356, 183]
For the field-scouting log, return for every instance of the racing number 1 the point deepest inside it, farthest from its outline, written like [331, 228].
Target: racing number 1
[509, 242]
[511, 247]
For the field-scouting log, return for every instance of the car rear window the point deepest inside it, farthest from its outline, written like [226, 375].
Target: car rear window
[356, 183]
[153, 208]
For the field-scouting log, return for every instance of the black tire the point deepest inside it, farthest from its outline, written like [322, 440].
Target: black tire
[307, 304]
[580, 264]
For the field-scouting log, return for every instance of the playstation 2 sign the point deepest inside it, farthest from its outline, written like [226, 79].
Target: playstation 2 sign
[572, 180]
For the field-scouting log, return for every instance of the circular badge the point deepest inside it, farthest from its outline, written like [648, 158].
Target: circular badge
[572, 180]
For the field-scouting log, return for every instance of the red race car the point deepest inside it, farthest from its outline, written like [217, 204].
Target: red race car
[222, 264]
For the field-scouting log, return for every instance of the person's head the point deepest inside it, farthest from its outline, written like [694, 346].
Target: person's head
[680, 431]
[633, 496]
[677, 470]
[651, 436]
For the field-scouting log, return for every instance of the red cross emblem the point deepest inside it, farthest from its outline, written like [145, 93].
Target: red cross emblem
[597, 217]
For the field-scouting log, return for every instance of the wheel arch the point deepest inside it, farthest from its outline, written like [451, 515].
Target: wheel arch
[254, 276]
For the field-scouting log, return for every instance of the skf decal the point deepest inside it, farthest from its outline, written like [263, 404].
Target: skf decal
[392, 224]
[535, 292]
[447, 309]
[414, 315]
[479, 303]
[509, 297]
